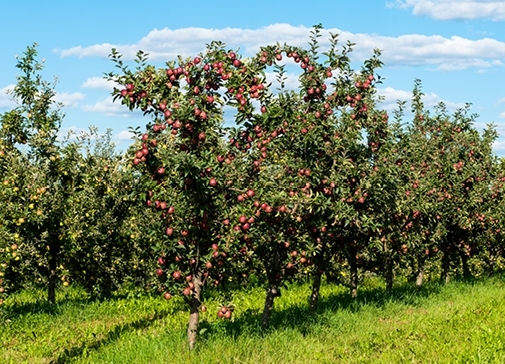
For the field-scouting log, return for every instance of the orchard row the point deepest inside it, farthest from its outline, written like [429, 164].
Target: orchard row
[310, 182]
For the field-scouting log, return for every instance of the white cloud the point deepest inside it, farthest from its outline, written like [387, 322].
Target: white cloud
[452, 53]
[502, 115]
[430, 100]
[290, 83]
[124, 135]
[502, 100]
[499, 146]
[69, 100]
[108, 107]
[167, 43]
[455, 9]
[6, 100]
[98, 83]
[70, 133]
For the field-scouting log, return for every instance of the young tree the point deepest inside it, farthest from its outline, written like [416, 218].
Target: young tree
[38, 201]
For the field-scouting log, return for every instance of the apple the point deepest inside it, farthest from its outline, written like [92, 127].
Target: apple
[176, 275]
[212, 182]
[167, 296]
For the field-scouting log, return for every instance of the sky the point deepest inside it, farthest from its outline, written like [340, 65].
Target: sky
[455, 47]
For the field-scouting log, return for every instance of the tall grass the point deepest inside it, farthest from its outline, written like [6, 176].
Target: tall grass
[458, 323]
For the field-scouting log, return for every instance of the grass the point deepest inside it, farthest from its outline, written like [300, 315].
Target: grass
[457, 323]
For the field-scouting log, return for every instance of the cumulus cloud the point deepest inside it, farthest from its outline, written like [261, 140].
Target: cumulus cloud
[167, 43]
[444, 53]
[455, 9]
[69, 100]
[124, 135]
[290, 83]
[70, 133]
[502, 115]
[392, 96]
[98, 83]
[499, 146]
[6, 100]
[110, 108]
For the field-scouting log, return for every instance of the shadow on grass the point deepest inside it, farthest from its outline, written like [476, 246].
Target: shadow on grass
[42, 307]
[110, 337]
[298, 317]
[295, 317]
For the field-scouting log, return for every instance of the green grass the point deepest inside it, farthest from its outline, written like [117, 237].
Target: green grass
[457, 323]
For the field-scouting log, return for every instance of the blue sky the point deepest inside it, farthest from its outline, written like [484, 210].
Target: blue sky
[456, 47]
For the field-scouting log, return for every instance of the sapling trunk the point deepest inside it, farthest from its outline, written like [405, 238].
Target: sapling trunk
[353, 264]
[194, 313]
[51, 284]
[52, 276]
[446, 265]
[467, 274]
[316, 285]
[420, 271]
[492, 261]
[389, 273]
[272, 292]
[107, 285]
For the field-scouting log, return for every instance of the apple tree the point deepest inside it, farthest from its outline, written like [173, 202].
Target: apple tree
[107, 227]
[38, 188]
[190, 167]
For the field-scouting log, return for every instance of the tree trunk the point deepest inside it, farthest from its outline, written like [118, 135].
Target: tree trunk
[194, 313]
[466, 269]
[389, 273]
[353, 264]
[52, 276]
[107, 286]
[420, 271]
[446, 266]
[314, 297]
[492, 261]
[272, 292]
